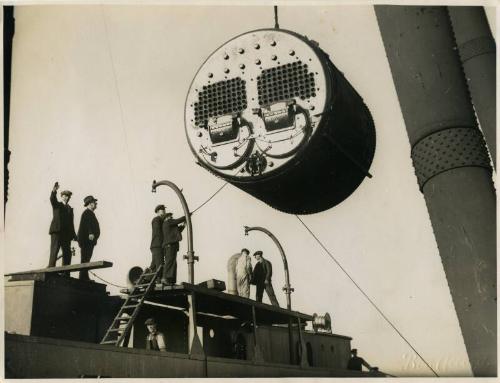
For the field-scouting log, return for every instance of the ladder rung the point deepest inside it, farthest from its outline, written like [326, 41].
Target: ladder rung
[148, 274]
[115, 330]
[138, 293]
[123, 319]
[128, 306]
[136, 296]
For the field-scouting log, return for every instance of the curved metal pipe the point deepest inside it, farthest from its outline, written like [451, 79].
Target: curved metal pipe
[287, 289]
[189, 227]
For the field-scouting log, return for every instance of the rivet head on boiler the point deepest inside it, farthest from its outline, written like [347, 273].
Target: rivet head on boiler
[280, 129]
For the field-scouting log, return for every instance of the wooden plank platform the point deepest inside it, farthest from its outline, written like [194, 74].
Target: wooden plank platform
[222, 304]
[69, 268]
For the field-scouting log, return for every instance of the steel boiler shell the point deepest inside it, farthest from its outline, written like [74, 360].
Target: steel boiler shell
[270, 113]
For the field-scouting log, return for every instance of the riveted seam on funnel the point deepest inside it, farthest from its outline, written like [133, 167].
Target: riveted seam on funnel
[448, 149]
[477, 47]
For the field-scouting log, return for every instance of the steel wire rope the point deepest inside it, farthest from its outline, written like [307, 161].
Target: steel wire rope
[366, 296]
[105, 281]
[118, 96]
[122, 119]
[194, 211]
[209, 198]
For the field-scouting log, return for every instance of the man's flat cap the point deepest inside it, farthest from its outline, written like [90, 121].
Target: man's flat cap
[159, 207]
[89, 199]
[149, 321]
[66, 192]
[258, 252]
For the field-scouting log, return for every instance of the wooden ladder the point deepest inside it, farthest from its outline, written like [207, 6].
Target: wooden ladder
[116, 333]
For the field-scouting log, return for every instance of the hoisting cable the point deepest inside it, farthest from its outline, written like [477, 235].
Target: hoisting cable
[194, 211]
[276, 25]
[209, 198]
[105, 281]
[118, 96]
[366, 296]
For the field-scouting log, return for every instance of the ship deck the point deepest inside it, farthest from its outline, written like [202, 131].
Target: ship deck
[210, 301]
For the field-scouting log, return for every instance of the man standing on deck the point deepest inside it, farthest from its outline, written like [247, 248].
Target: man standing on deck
[62, 227]
[262, 273]
[171, 238]
[243, 273]
[88, 232]
[231, 274]
[157, 238]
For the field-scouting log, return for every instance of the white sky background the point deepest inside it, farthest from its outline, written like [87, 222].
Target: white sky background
[98, 105]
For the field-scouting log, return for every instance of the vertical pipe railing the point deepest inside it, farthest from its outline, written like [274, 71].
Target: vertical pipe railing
[191, 259]
[194, 345]
[288, 288]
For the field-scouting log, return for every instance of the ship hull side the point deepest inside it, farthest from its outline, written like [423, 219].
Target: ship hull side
[36, 357]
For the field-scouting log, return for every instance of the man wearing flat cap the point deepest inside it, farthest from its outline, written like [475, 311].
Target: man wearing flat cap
[262, 273]
[172, 229]
[157, 238]
[62, 227]
[155, 339]
[356, 363]
[88, 232]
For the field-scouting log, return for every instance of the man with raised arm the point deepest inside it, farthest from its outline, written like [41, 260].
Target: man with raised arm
[62, 227]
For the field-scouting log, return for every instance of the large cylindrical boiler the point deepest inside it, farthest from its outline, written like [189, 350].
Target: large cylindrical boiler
[270, 113]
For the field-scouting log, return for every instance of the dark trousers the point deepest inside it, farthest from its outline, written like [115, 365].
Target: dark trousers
[270, 293]
[56, 242]
[157, 255]
[170, 267]
[86, 251]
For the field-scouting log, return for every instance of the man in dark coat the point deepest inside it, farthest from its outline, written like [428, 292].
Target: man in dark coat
[356, 363]
[262, 273]
[88, 232]
[157, 238]
[62, 228]
[171, 238]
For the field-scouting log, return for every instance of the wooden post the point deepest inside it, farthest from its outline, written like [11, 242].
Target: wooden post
[257, 353]
[302, 348]
[195, 347]
[290, 340]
